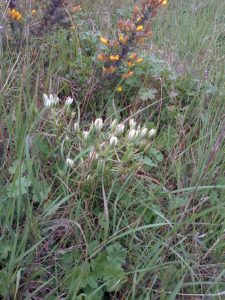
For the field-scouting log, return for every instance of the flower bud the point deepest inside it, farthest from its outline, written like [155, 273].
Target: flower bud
[113, 141]
[98, 124]
[93, 154]
[152, 132]
[132, 124]
[144, 132]
[113, 124]
[69, 162]
[76, 127]
[85, 134]
[119, 129]
[132, 134]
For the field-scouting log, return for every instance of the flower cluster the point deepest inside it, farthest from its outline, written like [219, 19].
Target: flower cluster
[14, 15]
[131, 32]
[117, 142]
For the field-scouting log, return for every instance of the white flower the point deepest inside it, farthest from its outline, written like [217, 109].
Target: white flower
[152, 132]
[119, 129]
[132, 124]
[69, 162]
[113, 141]
[69, 101]
[85, 134]
[98, 124]
[50, 100]
[132, 134]
[113, 124]
[144, 132]
[76, 127]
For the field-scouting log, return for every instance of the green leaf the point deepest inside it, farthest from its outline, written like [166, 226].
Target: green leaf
[41, 191]
[177, 202]
[19, 187]
[113, 275]
[147, 161]
[146, 94]
[116, 254]
[15, 165]
[157, 154]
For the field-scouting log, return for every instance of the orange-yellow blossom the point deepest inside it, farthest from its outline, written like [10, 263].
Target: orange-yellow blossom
[119, 89]
[102, 57]
[122, 39]
[15, 14]
[114, 57]
[109, 70]
[139, 28]
[133, 56]
[130, 64]
[139, 60]
[33, 12]
[127, 75]
[104, 41]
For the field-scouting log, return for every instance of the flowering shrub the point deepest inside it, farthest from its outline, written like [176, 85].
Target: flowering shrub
[120, 59]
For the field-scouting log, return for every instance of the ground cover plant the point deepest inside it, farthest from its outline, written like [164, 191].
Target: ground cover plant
[112, 149]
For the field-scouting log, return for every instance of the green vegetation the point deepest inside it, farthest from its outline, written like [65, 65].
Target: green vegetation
[110, 193]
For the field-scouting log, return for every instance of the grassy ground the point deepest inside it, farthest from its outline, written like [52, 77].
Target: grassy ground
[115, 230]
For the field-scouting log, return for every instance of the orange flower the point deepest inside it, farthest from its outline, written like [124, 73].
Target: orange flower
[102, 57]
[104, 41]
[34, 12]
[127, 75]
[133, 56]
[130, 64]
[114, 57]
[122, 39]
[109, 70]
[15, 14]
[139, 19]
[139, 60]
[139, 28]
